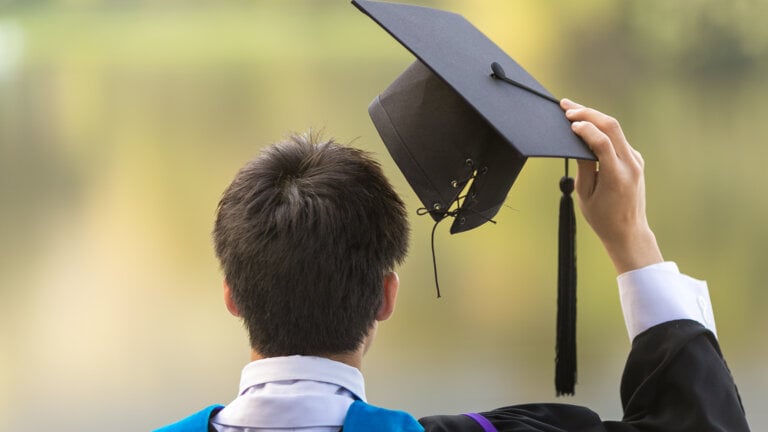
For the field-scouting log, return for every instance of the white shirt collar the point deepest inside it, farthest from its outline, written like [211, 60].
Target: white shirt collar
[308, 393]
[302, 368]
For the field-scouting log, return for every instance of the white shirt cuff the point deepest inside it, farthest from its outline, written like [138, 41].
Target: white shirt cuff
[659, 293]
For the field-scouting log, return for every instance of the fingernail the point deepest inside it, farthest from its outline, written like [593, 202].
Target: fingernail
[571, 112]
[566, 102]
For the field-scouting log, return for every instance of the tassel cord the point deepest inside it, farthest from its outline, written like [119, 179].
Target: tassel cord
[565, 369]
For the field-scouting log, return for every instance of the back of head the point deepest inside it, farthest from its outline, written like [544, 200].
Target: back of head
[305, 234]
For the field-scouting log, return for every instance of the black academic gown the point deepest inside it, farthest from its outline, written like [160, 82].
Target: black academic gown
[675, 380]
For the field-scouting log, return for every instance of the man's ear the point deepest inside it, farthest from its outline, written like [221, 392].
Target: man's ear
[231, 306]
[390, 286]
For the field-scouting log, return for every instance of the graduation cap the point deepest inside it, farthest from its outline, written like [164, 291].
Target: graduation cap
[460, 122]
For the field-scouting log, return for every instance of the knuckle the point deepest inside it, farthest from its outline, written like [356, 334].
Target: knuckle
[601, 142]
[609, 124]
[640, 160]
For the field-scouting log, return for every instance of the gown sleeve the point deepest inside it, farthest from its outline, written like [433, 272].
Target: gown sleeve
[675, 379]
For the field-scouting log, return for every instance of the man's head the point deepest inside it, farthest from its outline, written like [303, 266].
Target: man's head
[306, 234]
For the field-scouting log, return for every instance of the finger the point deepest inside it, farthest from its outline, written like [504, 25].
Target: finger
[586, 179]
[567, 104]
[598, 142]
[607, 124]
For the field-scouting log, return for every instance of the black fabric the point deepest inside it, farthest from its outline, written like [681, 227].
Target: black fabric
[461, 55]
[446, 119]
[434, 152]
[675, 379]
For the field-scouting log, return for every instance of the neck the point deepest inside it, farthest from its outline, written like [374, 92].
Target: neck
[354, 359]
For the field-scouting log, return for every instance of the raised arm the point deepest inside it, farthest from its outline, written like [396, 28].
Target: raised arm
[675, 377]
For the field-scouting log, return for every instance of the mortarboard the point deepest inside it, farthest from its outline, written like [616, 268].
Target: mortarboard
[460, 123]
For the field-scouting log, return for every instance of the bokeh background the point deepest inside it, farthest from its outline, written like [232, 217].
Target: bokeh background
[121, 122]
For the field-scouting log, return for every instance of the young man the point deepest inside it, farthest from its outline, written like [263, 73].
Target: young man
[308, 235]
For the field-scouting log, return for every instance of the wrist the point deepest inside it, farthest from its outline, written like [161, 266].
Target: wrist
[634, 252]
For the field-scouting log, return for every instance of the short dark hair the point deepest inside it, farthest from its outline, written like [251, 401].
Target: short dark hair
[305, 234]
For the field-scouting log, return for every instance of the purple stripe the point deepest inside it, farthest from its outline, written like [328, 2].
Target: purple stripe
[482, 421]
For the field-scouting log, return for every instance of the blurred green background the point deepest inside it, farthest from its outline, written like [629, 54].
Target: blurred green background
[121, 122]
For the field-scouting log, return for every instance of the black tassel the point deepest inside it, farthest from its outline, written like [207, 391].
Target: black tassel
[565, 363]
